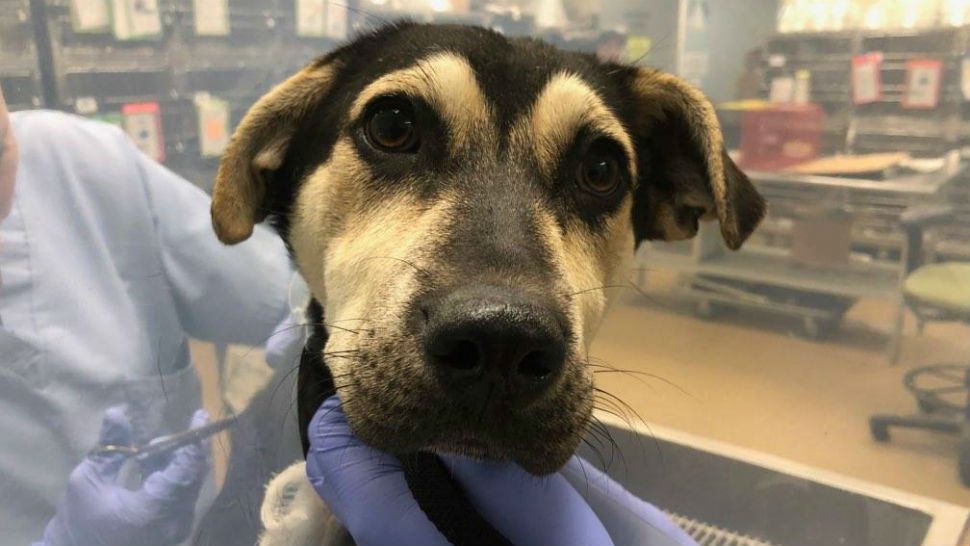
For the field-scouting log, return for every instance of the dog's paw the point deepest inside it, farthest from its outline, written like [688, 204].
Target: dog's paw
[294, 515]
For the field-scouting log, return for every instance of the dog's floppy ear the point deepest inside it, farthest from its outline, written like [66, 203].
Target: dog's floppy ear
[259, 146]
[685, 173]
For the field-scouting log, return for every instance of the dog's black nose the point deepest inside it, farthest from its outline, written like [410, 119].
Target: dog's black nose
[485, 337]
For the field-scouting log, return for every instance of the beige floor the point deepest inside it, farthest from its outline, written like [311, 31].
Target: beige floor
[749, 380]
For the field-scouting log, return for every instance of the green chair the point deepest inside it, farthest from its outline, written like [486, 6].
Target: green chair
[934, 292]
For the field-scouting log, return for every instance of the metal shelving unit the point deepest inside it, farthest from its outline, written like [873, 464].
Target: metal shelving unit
[19, 67]
[96, 74]
[884, 126]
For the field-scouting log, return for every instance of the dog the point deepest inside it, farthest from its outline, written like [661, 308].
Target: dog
[460, 204]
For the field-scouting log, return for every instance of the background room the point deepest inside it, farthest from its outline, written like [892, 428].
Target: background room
[845, 315]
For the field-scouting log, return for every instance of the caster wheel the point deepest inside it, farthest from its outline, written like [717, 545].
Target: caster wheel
[811, 328]
[964, 460]
[879, 431]
[707, 309]
[927, 406]
[818, 329]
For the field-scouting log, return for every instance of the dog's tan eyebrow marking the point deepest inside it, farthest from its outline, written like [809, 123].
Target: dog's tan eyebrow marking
[566, 105]
[448, 83]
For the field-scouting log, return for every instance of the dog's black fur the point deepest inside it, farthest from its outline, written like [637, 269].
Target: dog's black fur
[495, 238]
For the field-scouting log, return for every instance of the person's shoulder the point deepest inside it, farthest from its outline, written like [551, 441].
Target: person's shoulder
[68, 151]
[44, 128]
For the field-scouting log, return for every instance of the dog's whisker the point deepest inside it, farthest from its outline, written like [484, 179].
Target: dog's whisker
[623, 408]
[365, 13]
[599, 457]
[617, 400]
[595, 289]
[635, 374]
[420, 270]
[615, 450]
[643, 293]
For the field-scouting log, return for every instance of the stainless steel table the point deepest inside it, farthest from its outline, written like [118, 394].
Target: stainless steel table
[754, 276]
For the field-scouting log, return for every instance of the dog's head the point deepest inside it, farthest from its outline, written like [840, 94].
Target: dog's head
[460, 202]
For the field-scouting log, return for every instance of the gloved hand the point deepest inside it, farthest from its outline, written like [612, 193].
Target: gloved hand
[98, 512]
[284, 347]
[366, 490]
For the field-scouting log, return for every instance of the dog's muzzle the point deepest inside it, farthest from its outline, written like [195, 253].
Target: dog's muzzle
[493, 347]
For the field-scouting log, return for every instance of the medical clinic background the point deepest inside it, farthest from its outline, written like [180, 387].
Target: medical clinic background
[767, 385]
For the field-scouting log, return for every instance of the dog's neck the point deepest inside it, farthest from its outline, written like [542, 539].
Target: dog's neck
[315, 383]
[437, 493]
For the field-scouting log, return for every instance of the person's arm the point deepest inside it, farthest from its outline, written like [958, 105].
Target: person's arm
[223, 294]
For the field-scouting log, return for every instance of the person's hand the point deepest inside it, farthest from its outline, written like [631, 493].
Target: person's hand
[96, 511]
[630, 519]
[367, 491]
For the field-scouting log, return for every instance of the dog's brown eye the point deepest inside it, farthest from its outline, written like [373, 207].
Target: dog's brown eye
[599, 172]
[391, 127]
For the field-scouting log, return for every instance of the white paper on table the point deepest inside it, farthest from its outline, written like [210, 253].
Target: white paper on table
[90, 15]
[923, 85]
[866, 80]
[783, 90]
[213, 116]
[802, 92]
[143, 128]
[211, 17]
[337, 20]
[136, 19]
[86, 106]
[965, 78]
[311, 18]
[120, 24]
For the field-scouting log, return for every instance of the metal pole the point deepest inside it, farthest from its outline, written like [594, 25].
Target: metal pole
[45, 53]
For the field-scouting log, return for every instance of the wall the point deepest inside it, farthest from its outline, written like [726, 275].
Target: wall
[733, 28]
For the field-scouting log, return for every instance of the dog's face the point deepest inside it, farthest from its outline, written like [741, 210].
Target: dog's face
[460, 204]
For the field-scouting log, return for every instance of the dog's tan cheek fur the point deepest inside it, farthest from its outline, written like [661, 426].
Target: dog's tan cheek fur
[367, 279]
[589, 263]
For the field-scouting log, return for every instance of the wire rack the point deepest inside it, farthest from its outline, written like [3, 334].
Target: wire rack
[710, 535]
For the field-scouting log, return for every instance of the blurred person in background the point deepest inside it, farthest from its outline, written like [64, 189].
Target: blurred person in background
[108, 265]
[752, 84]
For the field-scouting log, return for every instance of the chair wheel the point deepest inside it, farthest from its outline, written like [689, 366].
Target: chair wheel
[926, 406]
[879, 431]
[707, 309]
[964, 460]
[817, 329]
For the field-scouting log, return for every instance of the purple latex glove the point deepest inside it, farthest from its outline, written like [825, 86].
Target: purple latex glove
[96, 511]
[366, 490]
[629, 519]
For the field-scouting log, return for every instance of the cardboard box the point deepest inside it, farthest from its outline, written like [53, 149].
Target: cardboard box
[822, 237]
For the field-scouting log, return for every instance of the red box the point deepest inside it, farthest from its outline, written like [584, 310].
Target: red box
[781, 136]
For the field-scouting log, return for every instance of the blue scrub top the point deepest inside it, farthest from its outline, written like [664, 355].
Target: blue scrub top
[108, 264]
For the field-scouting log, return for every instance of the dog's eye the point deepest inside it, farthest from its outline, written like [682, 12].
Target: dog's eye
[599, 171]
[391, 127]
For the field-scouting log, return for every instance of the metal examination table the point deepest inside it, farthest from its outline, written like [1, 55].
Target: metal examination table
[763, 275]
[729, 496]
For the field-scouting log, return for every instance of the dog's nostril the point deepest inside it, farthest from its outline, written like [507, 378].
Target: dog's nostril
[460, 355]
[535, 365]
